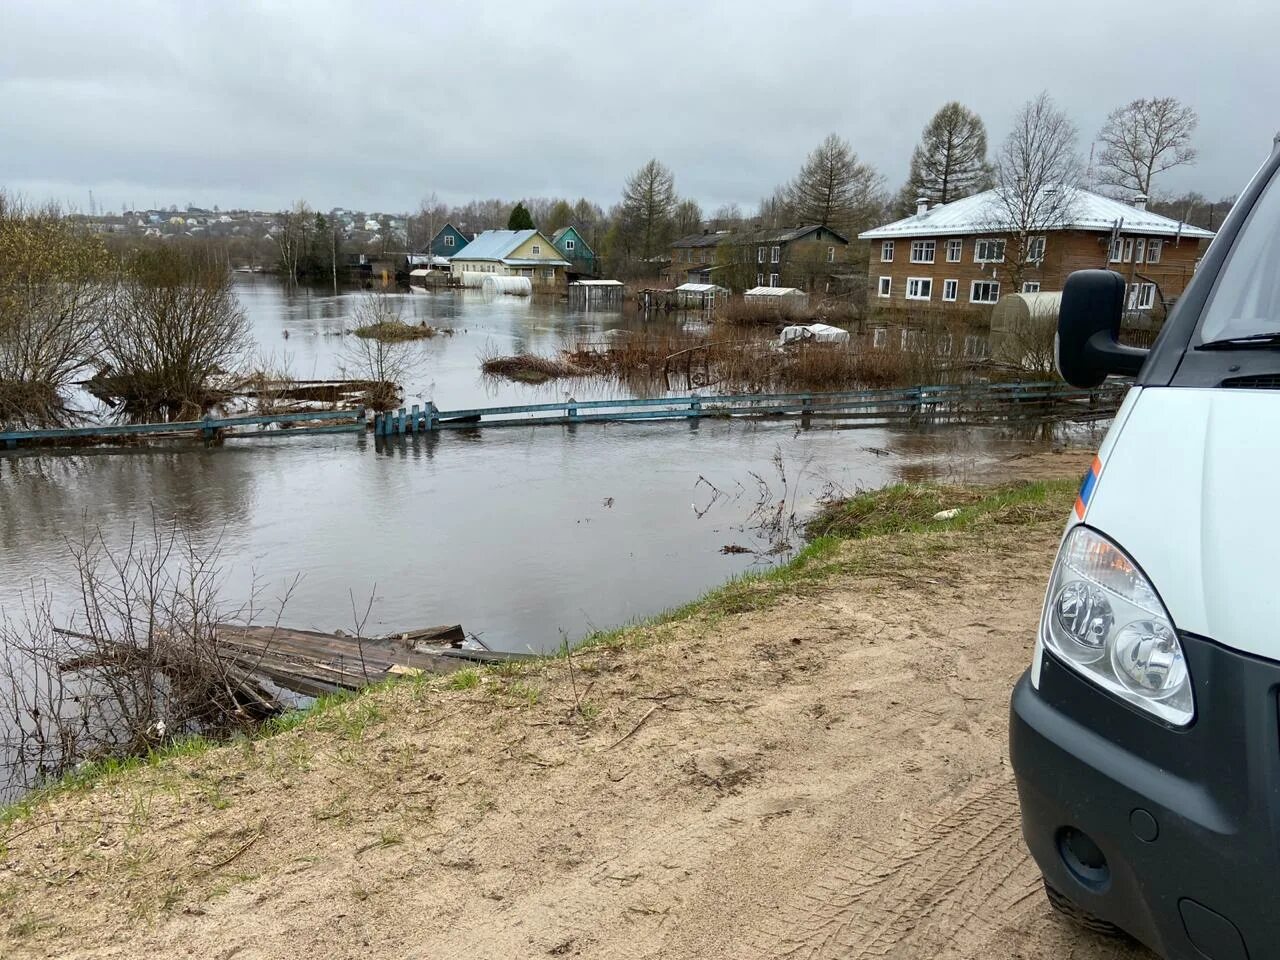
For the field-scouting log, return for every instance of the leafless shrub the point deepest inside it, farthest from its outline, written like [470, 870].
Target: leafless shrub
[383, 361]
[138, 660]
[175, 324]
[53, 298]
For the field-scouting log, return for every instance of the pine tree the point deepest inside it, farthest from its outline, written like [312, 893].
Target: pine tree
[834, 190]
[520, 218]
[950, 162]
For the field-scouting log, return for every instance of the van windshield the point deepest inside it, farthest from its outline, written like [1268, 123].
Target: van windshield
[1246, 300]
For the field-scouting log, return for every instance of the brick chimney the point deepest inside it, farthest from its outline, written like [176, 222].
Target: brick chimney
[922, 205]
[1140, 201]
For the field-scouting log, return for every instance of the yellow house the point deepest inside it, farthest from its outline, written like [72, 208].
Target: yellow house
[512, 253]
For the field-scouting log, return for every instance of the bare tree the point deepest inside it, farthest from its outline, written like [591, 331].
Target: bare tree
[423, 225]
[648, 204]
[1038, 172]
[728, 216]
[688, 217]
[293, 237]
[833, 189]
[950, 162]
[54, 289]
[382, 361]
[174, 324]
[1143, 138]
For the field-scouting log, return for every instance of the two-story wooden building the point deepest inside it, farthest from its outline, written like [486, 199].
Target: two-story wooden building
[573, 247]
[953, 255]
[807, 257]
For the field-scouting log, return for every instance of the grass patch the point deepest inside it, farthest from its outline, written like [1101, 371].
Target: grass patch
[395, 331]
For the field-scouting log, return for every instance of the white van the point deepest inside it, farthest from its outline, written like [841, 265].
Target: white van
[1145, 738]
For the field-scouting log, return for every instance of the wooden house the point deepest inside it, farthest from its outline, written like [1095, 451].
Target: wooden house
[809, 258]
[449, 241]
[574, 248]
[512, 253]
[953, 256]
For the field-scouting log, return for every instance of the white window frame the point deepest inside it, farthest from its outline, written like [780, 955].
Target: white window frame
[886, 251]
[1142, 296]
[944, 345]
[1140, 250]
[448, 239]
[537, 250]
[759, 279]
[773, 279]
[879, 338]
[1030, 286]
[923, 251]
[885, 287]
[760, 255]
[1154, 248]
[1127, 257]
[831, 254]
[775, 255]
[569, 244]
[919, 283]
[973, 289]
[955, 250]
[1117, 250]
[1035, 249]
[977, 247]
[950, 290]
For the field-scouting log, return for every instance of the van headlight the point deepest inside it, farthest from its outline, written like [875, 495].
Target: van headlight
[1104, 618]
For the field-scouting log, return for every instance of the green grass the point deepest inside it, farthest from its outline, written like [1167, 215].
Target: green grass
[900, 509]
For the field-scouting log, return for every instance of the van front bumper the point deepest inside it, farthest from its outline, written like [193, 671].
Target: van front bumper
[1173, 835]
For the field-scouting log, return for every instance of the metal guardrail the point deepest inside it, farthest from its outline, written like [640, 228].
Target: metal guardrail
[207, 428]
[937, 402]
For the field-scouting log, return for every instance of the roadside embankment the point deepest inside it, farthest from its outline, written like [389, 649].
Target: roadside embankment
[810, 763]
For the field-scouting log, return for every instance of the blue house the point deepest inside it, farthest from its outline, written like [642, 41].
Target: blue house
[448, 241]
[576, 250]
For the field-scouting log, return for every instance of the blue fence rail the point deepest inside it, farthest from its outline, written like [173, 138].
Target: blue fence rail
[955, 403]
[946, 402]
[210, 429]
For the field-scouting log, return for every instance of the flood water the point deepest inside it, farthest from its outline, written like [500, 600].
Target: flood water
[525, 536]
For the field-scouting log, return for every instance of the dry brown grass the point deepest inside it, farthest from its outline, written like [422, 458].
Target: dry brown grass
[393, 331]
[530, 368]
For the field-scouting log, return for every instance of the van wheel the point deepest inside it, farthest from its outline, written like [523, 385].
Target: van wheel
[1078, 915]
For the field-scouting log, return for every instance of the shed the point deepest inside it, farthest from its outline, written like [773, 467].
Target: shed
[702, 295]
[598, 293]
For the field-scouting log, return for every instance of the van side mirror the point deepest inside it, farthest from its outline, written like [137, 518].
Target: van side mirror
[1088, 346]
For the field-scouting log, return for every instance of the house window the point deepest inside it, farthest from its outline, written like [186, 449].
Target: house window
[1153, 250]
[448, 239]
[912, 339]
[922, 251]
[886, 253]
[984, 291]
[954, 248]
[569, 245]
[944, 345]
[879, 338]
[1117, 250]
[759, 279]
[775, 254]
[1142, 296]
[974, 346]
[1140, 250]
[831, 254]
[1128, 250]
[919, 288]
[1035, 249]
[988, 250]
[950, 290]
[760, 255]
[1031, 286]
[773, 279]
[537, 250]
[886, 286]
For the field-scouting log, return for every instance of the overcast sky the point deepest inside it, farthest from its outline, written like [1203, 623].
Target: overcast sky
[374, 105]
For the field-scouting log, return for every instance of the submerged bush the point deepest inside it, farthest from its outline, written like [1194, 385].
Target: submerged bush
[175, 323]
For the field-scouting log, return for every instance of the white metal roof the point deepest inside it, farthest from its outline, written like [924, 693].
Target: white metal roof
[773, 292]
[699, 287]
[983, 213]
[596, 283]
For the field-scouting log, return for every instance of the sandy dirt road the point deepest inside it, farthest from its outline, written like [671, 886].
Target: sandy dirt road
[822, 776]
